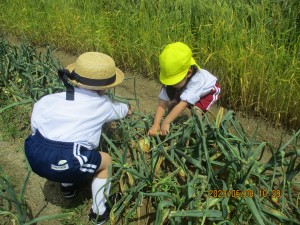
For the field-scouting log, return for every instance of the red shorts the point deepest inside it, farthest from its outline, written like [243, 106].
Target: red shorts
[208, 100]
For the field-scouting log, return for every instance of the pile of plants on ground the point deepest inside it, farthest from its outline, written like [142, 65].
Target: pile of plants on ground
[202, 171]
[205, 171]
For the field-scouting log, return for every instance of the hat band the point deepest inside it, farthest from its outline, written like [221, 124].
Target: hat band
[91, 82]
[62, 73]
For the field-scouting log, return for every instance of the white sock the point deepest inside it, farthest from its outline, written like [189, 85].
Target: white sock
[98, 195]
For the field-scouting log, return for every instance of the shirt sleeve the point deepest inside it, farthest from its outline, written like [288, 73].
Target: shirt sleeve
[118, 111]
[163, 94]
[192, 92]
[200, 85]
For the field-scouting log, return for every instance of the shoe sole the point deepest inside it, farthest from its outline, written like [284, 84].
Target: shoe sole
[99, 223]
[94, 222]
[70, 196]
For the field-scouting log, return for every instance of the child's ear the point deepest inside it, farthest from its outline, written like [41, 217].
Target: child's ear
[189, 73]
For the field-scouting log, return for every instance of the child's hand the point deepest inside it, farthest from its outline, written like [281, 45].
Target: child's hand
[165, 127]
[153, 130]
[129, 110]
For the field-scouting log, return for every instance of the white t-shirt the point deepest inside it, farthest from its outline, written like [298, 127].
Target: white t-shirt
[78, 121]
[198, 86]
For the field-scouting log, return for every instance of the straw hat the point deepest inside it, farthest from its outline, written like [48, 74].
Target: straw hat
[95, 71]
[175, 61]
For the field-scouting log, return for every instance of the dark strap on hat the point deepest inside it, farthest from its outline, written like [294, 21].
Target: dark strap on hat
[63, 74]
[91, 82]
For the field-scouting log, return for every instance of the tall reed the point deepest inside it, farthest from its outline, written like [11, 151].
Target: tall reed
[252, 46]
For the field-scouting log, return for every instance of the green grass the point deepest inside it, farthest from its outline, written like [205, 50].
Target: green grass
[252, 46]
[13, 206]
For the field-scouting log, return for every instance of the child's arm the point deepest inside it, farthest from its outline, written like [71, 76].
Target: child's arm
[159, 113]
[176, 111]
[118, 110]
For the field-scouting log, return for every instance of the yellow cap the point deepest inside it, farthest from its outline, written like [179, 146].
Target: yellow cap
[175, 61]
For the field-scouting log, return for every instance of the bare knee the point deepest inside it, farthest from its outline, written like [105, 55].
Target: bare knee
[106, 162]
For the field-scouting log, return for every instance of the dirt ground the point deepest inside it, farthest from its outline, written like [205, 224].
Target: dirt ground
[44, 197]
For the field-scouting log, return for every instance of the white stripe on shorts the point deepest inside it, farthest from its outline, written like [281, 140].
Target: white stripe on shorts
[76, 153]
[84, 167]
[87, 170]
[93, 166]
[215, 97]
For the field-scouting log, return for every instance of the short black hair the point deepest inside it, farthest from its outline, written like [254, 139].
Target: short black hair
[194, 69]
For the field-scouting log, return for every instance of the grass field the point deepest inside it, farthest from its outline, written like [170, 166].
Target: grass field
[252, 46]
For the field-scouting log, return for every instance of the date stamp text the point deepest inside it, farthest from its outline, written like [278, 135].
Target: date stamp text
[262, 193]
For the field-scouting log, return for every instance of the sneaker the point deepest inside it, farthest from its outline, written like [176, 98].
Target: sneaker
[69, 191]
[98, 220]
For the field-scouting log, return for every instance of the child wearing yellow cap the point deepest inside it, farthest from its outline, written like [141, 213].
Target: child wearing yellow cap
[185, 85]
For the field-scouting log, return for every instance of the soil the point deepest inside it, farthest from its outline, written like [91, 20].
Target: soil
[44, 197]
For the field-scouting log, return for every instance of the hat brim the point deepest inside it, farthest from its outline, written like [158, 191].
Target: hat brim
[178, 77]
[174, 79]
[119, 79]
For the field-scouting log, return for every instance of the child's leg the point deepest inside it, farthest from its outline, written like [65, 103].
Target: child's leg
[98, 182]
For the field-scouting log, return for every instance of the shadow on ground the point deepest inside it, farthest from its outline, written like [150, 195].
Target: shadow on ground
[54, 196]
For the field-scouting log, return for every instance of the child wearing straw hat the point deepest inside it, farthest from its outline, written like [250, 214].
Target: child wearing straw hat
[185, 85]
[66, 129]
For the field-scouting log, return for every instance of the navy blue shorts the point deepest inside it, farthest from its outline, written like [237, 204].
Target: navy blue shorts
[64, 162]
